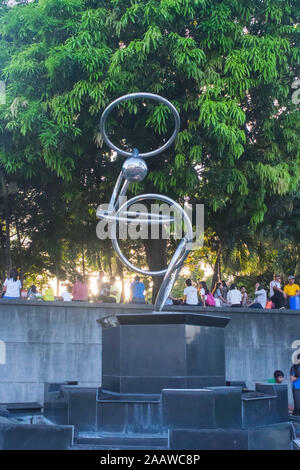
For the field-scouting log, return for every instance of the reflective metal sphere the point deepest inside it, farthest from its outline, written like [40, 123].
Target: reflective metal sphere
[134, 169]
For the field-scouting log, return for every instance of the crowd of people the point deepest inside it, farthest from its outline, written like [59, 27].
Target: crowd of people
[222, 295]
[198, 293]
[107, 291]
[12, 289]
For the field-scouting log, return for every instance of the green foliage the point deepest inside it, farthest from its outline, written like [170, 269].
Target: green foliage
[227, 66]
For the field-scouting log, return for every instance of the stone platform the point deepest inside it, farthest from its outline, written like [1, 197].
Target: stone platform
[163, 383]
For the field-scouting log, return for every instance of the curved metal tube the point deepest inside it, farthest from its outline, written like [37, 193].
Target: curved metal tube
[130, 96]
[155, 197]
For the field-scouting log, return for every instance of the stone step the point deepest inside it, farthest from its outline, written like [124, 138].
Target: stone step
[122, 441]
[27, 407]
[111, 447]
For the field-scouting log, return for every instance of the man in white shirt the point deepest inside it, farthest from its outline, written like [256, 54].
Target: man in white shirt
[190, 294]
[12, 286]
[234, 296]
[277, 295]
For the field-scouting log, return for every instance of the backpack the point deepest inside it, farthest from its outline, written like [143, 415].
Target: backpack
[210, 301]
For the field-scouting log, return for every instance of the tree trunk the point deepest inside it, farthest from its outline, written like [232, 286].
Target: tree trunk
[121, 275]
[99, 262]
[220, 267]
[83, 262]
[8, 263]
[3, 273]
[157, 259]
[57, 279]
[297, 267]
[217, 270]
[20, 253]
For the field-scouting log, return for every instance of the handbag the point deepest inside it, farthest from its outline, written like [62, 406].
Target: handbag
[210, 301]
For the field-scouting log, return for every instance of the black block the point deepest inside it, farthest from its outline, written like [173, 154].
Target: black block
[279, 406]
[273, 437]
[228, 406]
[81, 407]
[129, 414]
[192, 409]
[256, 408]
[35, 437]
[144, 353]
[71, 404]
[55, 403]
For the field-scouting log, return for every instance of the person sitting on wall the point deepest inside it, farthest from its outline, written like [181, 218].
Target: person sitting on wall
[190, 294]
[173, 301]
[32, 293]
[104, 289]
[245, 298]
[48, 294]
[207, 299]
[225, 290]
[115, 290]
[234, 296]
[218, 295]
[112, 292]
[202, 291]
[260, 298]
[12, 286]
[278, 377]
[277, 295]
[295, 379]
[66, 294]
[291, 288]
[137, 289]
[80, 290]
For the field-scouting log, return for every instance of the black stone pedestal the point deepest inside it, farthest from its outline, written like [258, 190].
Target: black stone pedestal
[163, 383]
[144, 353]
[71, 404]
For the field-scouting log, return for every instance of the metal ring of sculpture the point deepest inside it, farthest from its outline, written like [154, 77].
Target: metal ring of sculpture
[180, 257]
[135, 169]
[130, 96]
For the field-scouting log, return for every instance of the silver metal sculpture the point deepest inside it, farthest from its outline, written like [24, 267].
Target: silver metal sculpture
[135, 170]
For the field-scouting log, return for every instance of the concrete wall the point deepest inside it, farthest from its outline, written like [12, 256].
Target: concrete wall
[47, 343]
[59, 341]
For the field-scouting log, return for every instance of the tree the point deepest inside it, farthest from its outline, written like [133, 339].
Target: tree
[227, 66]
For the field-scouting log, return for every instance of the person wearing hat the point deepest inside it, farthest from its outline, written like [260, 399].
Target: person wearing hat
[295, 379]
[291, 288]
